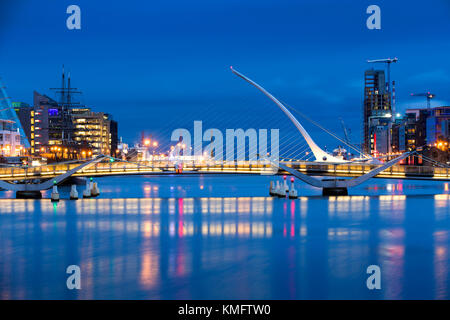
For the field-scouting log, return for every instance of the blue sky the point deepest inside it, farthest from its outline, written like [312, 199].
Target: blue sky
[156, 65]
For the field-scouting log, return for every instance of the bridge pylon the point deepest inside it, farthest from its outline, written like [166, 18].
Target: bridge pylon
[334, 191]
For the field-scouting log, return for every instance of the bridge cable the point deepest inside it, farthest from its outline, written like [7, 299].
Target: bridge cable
[327, 131]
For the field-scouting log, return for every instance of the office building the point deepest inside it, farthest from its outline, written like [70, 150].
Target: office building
[438, 125]
[10, 145]
[23, 111]
[96, 130]
[64, 129]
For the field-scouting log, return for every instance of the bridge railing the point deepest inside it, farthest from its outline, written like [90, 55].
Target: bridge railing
[311, 168]
[353, 169]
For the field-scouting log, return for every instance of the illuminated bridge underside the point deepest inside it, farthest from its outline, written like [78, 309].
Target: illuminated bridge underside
[59, 172]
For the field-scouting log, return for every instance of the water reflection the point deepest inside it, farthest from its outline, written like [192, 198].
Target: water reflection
[227, 247]
[441, 263]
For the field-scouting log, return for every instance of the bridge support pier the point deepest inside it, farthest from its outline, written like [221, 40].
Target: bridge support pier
[335, 191]
[28, 195]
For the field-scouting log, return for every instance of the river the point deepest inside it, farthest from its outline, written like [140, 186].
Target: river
[222, 237]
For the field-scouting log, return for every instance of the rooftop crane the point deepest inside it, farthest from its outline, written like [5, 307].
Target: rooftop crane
[428, 95]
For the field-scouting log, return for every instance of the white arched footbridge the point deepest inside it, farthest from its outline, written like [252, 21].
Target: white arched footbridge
[22, 180]
[329, 186]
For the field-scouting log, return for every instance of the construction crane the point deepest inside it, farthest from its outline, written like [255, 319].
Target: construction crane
[428, 95]
[388, 62]
[346, 132]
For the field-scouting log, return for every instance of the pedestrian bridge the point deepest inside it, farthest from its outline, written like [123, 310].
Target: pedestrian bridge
[121, 168]
[28, 180]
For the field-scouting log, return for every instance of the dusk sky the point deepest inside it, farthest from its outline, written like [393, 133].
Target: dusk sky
[156, 65]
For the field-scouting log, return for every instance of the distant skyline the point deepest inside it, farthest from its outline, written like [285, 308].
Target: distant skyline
[158, 64]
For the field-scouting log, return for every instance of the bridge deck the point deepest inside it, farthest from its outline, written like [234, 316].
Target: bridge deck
[244, 167]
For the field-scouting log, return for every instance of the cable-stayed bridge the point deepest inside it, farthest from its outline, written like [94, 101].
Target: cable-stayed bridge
[357, 170]
[44, 177]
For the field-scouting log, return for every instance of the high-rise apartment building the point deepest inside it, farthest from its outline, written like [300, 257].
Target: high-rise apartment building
[377, 113]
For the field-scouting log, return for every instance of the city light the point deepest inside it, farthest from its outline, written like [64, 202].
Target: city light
[211, 214]
[441, 145]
